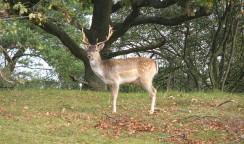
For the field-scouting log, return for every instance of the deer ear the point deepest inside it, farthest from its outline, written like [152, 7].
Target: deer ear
[85, 47]
[100, 46]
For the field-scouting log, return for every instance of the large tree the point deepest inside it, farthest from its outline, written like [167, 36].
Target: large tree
[206, 53]
[122, 16]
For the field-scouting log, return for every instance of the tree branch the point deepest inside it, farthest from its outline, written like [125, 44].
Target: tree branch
[5, 79]
[14, 18]
[36, 68]
[7, 57]
[156, 3]
[139, 49]
[201, 117]
[65, 39]
[73, 78]
[19, 53]
[117, 6]
[145, 3]
[121, 29]
[168, 22]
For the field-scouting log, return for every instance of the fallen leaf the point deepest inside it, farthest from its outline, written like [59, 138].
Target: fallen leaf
[63, 110]
[105, 134]
[47, 113]
[54, 129]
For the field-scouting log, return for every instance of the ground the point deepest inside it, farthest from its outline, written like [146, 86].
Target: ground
[67, 116]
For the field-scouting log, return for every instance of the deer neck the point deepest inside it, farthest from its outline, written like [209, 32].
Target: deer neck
[97, 66]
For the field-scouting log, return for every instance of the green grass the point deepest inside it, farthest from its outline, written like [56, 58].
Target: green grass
[67, 116]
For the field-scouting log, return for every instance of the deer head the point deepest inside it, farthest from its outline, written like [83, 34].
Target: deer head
[93, 50]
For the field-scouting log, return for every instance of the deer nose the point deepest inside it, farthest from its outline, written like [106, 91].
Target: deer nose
[89, 56]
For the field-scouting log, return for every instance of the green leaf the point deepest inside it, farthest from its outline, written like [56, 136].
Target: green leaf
[50, 6]
[22, 9]
[32, 16]
[17, 6]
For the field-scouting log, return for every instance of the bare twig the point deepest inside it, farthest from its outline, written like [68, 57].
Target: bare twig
[201, 117]
[184, 111]
[111, 117]
[190, 117]
[14, 18]
[225, 102]
[160, 33]
[171, 136]
[34, 68]
[77, 80]
[239, 139]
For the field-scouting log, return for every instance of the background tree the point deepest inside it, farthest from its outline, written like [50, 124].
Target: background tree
[224, 44]
[191, 51]
[20, 43]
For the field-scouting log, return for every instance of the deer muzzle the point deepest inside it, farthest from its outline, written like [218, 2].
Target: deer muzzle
[89, 56]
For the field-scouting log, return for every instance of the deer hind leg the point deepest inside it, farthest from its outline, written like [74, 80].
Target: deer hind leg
[153, 101]
[152, 91]
[114, 94]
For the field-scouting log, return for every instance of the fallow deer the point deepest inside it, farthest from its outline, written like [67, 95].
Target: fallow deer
[114, 72]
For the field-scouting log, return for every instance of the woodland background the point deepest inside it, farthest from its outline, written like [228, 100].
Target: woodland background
[199, 44]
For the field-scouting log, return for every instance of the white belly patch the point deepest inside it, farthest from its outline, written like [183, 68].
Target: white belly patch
[127, 80]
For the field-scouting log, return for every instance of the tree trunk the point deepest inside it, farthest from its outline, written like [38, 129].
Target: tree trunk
[231, 55]
[100, 21]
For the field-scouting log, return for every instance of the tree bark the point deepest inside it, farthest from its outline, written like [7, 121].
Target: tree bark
[231, 56]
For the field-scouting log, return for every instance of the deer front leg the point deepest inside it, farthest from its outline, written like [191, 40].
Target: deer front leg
[114, 93]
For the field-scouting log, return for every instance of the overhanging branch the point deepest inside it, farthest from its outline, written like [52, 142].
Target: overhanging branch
[139, 49]
[65, 39]
[122, 28]
[168, 22]
[156, 3]
[145, 3]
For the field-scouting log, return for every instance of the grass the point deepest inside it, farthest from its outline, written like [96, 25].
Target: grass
[67, 116]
